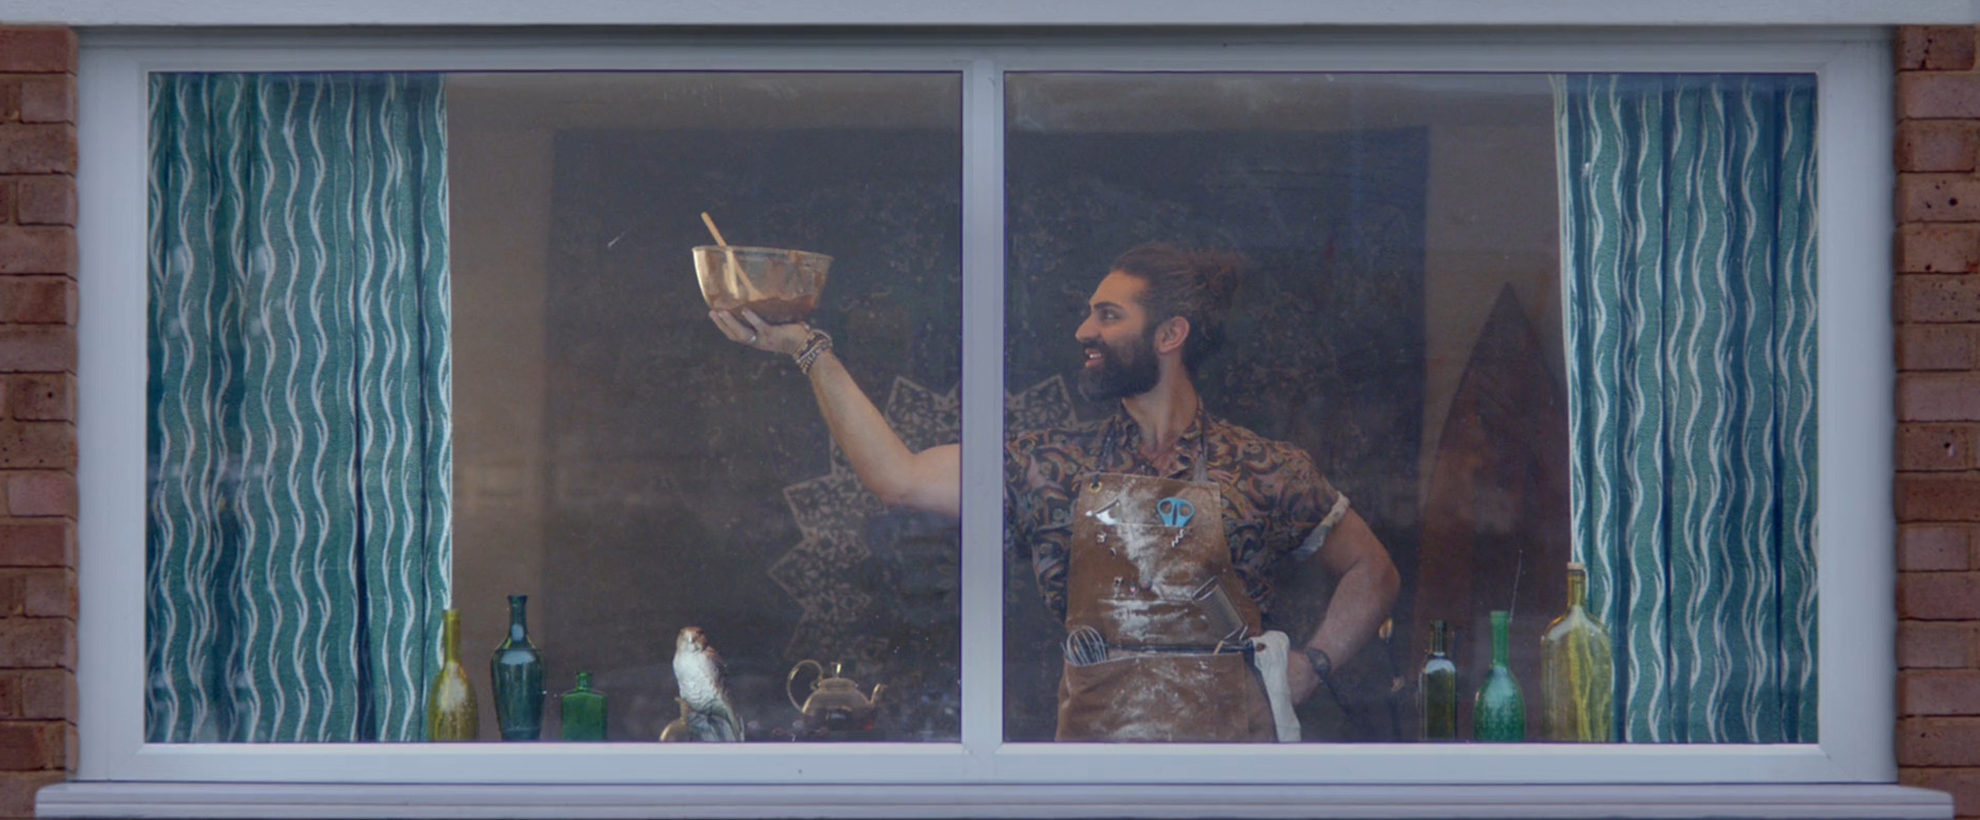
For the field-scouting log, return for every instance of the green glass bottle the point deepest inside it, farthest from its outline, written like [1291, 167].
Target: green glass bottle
[582, 711]
[1436, 688]
[451, 713]
[1578, 672]
[1499, 713]
[516, 669]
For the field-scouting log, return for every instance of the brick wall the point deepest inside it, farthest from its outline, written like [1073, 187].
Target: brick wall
[37, 413]
[1937, 307]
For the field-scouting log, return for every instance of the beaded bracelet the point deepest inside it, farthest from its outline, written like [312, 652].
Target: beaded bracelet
[815, 345]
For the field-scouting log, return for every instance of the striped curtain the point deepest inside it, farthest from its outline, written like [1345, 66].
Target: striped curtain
[1688, 257]
[297, 530]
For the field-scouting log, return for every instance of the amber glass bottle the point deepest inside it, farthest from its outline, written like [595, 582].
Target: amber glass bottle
[1578, 671]
[451, 713]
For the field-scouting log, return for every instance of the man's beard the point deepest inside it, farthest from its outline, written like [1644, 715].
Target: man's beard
[1129, 370]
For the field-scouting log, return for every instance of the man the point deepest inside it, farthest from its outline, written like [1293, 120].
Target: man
[1152, 532]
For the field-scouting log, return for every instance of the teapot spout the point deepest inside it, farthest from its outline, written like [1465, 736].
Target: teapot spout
[874, 699]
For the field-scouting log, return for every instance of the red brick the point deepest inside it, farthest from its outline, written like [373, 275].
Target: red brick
[1939, 447]
[1922, 145]
[1939, 692]
[7, 197]
[1938, 248]
[10, 99]
[44, 300]
[30, 745]
[53, 99]
[1935, 48]
[37, 349]
[11, 687]
[48, 694]
[1962, 784]
[17, 790]
[13, 595]
[1937, 644]
[37, 50]
[1938, 741]
[47, 200]
[37, 643]
[1939, 299]
[37, 148]
[1939, 596]
[1938, 397]
[1939, 197]
[1938, 347]
[41, 493]
[1936, 96]
[48, 593]
[1934, 547]
[38, 249]
[37, 543]
[42, 397]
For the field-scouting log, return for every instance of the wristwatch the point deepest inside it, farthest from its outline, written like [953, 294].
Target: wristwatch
[1322, 665]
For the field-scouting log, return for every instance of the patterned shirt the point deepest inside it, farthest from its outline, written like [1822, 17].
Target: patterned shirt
[1276, 503]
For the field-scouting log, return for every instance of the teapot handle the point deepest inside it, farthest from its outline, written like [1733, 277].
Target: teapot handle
[792, 678]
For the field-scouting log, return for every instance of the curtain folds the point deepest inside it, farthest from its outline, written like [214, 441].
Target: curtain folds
[298, 509]
[1688, 256]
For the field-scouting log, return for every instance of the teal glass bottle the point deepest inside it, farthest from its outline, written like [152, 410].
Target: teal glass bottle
[582, 711]
[1499, 713]
[517, 673]
[1436, 688]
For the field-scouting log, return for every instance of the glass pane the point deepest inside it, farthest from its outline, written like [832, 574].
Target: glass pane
[424, 342]
[1346, 357]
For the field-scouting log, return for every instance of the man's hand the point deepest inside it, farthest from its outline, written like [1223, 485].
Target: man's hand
[745, 327]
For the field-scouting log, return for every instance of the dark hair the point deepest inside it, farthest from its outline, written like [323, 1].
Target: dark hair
[1196, 285]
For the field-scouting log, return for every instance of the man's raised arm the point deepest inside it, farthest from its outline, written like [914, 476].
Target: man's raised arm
[930, 480]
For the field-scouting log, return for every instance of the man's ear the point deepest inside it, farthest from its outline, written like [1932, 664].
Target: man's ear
[1170, 336]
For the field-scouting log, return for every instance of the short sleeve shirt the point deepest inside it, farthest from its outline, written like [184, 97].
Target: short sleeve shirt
[1277, 505]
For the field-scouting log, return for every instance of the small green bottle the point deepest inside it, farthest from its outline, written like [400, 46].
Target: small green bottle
[1499, 713]
[582, 711]
[1436, 688]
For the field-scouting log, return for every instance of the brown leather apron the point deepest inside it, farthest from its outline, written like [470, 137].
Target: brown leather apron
[1134, 578]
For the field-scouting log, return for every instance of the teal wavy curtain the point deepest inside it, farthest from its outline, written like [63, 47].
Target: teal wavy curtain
[1688, 256]
[299, 457]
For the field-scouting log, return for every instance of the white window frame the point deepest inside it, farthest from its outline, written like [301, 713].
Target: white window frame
[982, 775]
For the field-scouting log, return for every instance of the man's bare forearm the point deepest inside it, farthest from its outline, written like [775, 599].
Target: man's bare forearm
[930, 480]
[1364, 593]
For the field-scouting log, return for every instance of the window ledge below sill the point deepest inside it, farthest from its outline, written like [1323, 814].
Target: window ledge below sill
[1828, 801]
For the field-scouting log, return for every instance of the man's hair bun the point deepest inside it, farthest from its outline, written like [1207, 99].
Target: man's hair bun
[1198, 285]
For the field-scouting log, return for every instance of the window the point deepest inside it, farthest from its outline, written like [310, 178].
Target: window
[1026, 114]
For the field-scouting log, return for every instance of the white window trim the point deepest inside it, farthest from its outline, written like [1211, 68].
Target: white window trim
[119, 773]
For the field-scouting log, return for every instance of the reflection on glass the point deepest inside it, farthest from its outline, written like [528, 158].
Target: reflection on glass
[1319, 311]
[422, 341]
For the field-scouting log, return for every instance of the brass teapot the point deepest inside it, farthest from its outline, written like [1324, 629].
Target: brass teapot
[835, 707]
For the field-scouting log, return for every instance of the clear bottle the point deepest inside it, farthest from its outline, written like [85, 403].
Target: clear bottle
[516, 669]
[1578, 671]
[581, 711]
[1498, 715]
[1436, 688]
[451, 713]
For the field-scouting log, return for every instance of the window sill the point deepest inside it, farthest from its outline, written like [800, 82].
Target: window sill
[284, 800]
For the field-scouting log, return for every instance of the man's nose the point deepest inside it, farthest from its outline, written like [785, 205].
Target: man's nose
[1086, 334]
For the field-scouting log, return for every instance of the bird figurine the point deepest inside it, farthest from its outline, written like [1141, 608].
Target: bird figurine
[706, 708]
